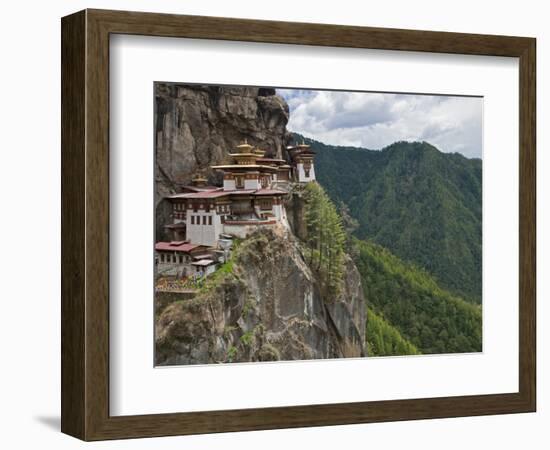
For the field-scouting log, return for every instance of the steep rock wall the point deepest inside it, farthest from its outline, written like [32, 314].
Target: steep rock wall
[268, 308]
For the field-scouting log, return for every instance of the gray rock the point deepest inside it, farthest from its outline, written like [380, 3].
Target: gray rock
[269, 308]
[197, 126]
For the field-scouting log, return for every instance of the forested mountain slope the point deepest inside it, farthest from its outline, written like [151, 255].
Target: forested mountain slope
[408, 298]
[422, 204]
[383, 339]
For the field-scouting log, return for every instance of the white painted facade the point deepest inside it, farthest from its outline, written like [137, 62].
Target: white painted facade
[279, 212]
[204, 270]
[229, 185]
[302, 176]
[203, 227]
[252, 184]
[176, 264]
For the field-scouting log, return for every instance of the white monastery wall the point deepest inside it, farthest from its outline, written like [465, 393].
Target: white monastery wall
[200, 230]
[229, 185]
[252, 184]
[302, 178]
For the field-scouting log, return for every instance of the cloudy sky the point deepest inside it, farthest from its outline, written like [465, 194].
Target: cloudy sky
[375, 120]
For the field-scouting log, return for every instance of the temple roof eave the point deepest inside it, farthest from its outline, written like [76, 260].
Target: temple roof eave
[220, 194]
[243, 167]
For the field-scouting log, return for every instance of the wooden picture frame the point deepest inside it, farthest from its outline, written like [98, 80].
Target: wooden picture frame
[85, 224]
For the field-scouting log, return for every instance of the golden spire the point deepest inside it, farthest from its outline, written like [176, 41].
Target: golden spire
[245, 147]
[199, 180]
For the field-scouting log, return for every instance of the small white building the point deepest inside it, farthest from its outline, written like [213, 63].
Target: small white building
[204, 214]
[175, 258]
[302, 158]
[203, 267]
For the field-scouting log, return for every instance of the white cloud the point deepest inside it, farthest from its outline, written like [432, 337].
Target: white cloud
[376, 120]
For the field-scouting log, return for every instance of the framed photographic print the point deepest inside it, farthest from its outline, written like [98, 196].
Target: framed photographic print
[271, 225]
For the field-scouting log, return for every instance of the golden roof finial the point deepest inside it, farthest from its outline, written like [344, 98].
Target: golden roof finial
[244, 147]
[199, 179]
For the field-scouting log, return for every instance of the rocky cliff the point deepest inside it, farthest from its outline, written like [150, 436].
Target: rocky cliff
[265, 305]
[197, 125]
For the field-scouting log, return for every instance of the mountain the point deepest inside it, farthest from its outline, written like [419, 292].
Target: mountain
[422, 204]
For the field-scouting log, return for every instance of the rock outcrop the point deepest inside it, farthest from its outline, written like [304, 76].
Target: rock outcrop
[267, 307]
[197, 125]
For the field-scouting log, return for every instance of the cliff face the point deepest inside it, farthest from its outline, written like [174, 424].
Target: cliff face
[197, 125]
[268, 307]
[267, 304]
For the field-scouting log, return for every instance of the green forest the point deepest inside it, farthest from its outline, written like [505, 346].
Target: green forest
[429, 318]
[410, 216]
[423, 205]
[384, 339]
[325, 238]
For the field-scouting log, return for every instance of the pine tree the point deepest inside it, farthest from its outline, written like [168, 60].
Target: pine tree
[326, 239]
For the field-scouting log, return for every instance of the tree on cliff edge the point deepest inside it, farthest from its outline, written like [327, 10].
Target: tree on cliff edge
[325, 238]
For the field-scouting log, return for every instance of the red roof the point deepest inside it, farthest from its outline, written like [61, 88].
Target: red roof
[176, 246]
[241, 191]
[198, 188]
[219, 192]
[213, 193]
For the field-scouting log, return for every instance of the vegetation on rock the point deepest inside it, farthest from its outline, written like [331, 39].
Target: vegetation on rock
[325, 238]
[246, 312]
